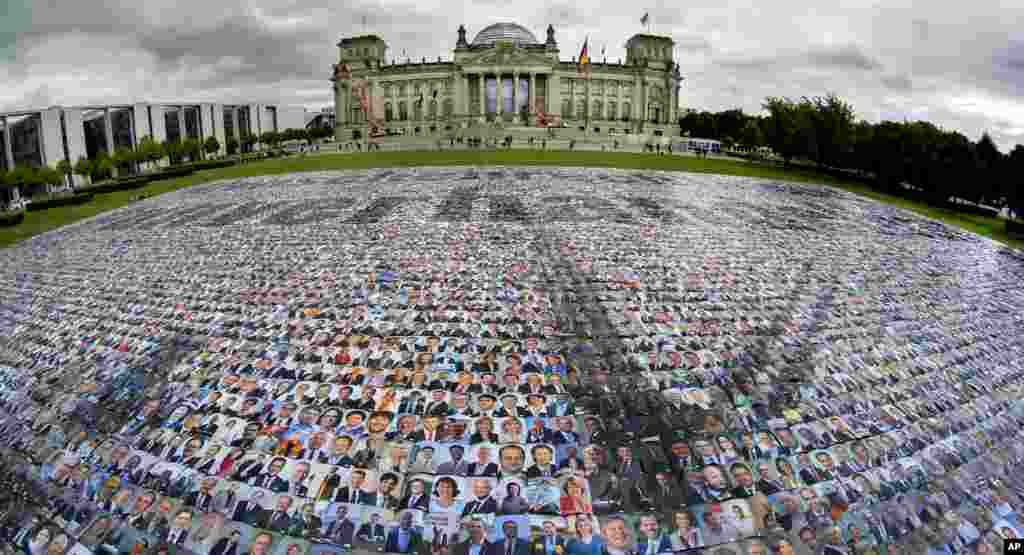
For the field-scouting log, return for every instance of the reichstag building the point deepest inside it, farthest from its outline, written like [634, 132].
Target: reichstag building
[503, 78]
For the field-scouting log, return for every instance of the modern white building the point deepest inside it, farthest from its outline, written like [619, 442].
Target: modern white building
[502, 78]
[47, 136]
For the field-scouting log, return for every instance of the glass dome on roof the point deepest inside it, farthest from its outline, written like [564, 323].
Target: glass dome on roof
[515, 33]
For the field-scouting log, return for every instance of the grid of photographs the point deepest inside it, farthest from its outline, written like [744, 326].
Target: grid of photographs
[476, 365]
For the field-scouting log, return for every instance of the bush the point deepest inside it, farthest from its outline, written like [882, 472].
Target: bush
[64, 200]
[212, 164]
[1015, 228]
[8, 219]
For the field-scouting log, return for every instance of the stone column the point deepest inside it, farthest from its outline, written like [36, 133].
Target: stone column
[553, 94]
[587, 107]
[499, 95]
[182, 131]
[531, 97]
[8, 151]
[482, 100]
[636, 108]
[108, 131]
[515, 95]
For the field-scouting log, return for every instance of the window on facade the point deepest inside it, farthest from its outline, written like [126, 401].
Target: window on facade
[449, 108]
[403, 111]
[417, 88]
[597, 113]
[567, 108]
[387, 89]
[402, 90]
[581, 110]
[388, 112]
[611, 110]
[433, 109]
[625, 110]
[417, 110]
[654, 112]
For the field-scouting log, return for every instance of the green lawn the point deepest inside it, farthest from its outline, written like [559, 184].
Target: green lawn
[46, 220]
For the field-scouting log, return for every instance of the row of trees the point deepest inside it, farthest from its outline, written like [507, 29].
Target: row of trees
[30, 180]
[146, 155]
[916, 158]
[149, 153]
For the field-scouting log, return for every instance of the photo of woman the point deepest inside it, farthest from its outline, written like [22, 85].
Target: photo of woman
[446, 496]
[685, 534]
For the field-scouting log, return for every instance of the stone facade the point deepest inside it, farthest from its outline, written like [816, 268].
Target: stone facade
[502, 78]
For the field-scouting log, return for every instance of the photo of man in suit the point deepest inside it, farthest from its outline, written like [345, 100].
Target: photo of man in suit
[228, 545]
[404, 538]
[549, 542]
[650, 540]
[417, 497]
[482, 501]
[272, 479]
[372, 531]
[251, 512]
[202, 500]
[511, 543]
[457, 465]
[180, 529]
[307, 524]
[353, 492]
[280, 519]
[476, 543]
[342, 530]
[483, 466]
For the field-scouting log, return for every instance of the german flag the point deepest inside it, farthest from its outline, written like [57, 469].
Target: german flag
[583, 66]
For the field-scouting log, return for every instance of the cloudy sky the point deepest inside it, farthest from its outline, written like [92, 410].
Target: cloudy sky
[957, 64]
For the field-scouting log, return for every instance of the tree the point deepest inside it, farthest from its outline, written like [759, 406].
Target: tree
[124, 158]
[269, 138]
[172, 151]
[192, 148]
[232, 145]
[782, 130]
[1015, 181]
[65, 170]
[49, 178]
[83, 167]
[751, 136]
[149, 150]
[988, 162]
[247, 141]
[22, 178]
[211, 146]
[102, 166]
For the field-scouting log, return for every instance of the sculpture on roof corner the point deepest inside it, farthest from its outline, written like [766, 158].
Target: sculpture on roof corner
[551, 36]
[461, 43]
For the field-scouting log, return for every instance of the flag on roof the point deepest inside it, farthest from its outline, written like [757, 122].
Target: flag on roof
[584, 61]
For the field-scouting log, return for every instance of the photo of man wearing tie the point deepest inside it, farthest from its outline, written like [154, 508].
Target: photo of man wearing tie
[651, 540]
[180, 528]
[353, 493]
[511, 543]
[417, 497]
[280, 520]
[549, 542]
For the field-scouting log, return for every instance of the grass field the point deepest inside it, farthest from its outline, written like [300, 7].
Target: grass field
[46, 220]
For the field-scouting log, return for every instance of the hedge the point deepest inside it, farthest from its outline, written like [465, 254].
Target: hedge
[80, 198]
[8, 219]
[1015, 228]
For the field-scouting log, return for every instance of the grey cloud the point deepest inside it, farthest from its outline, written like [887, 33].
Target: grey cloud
[845, 57]
[897, 82]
